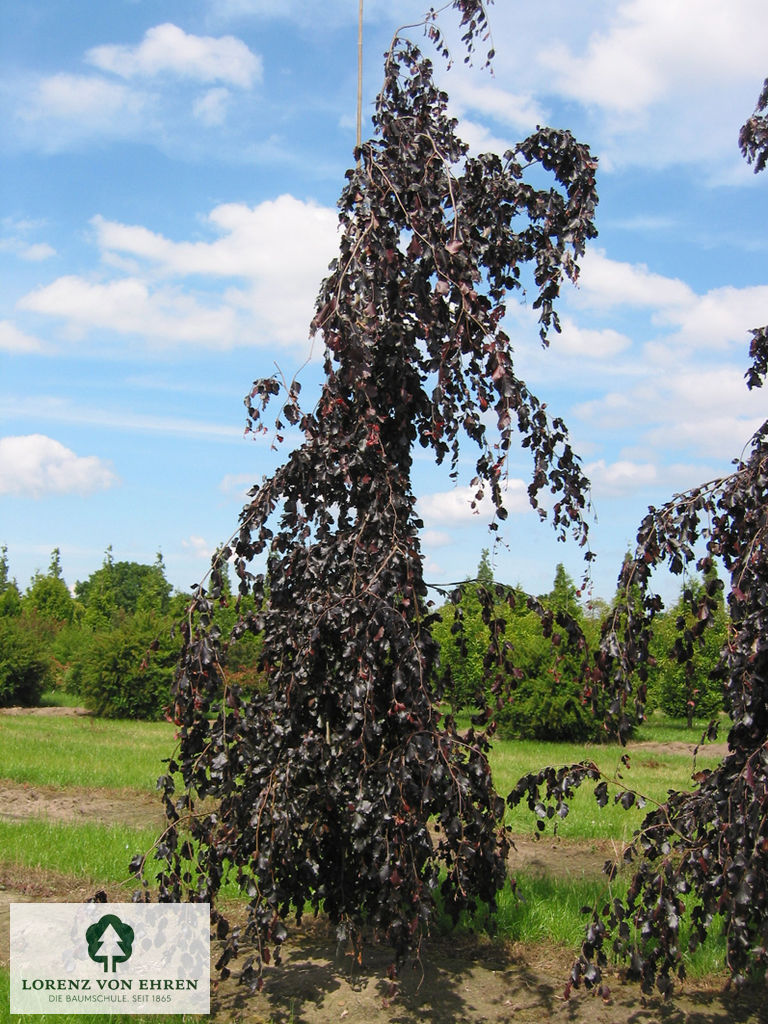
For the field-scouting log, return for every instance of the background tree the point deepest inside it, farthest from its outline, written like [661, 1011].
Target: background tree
[325, 783]
[463, 637]
[48, 598]
[546, 697]
[692, 688]
[127, 616]
[51, 616]
[24, 664]
[10, 596]
[537, 689]
[24, 656]
[122, 587]
[127, 671]
[98, 652]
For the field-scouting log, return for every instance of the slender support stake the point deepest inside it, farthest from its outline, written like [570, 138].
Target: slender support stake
[360, 77]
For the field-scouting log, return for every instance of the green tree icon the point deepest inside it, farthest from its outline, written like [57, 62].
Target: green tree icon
[109, 939]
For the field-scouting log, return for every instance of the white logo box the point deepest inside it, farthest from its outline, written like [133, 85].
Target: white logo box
[110, 958]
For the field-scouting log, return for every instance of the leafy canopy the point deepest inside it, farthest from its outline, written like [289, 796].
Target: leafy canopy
[325, 783]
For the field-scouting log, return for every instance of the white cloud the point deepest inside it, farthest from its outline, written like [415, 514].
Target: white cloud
[605, 283]
[644, 82]
[721, 316]
[651, 48]
[644, 222]
[16, 242]
[718, 435]
[72, 97]
[153, 103]
[436, 538]
[717, 319]
[211, 108]
[38, 252]
[35, 465]
[675, 408]
[285, 230]
[481, 139]
[198, 546]
[237, 484]
[127, 306]
[621, 477]
[281, 248]
[14, 340]
[454, 507]
[587, 343]
[521, 111]
[56, 112]
[168, 49]
[59, 410]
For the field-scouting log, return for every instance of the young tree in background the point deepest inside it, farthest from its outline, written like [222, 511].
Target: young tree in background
[691, 687]
[24, 654]
[48, 597]
[10, 596]
[462, 636]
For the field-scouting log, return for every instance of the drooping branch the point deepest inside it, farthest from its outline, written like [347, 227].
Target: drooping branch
[324, 784]
[753, 137]
[704, 853]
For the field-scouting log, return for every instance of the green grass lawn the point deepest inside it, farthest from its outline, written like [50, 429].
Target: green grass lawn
[651, 774]
[71, 751]
[97, 854]
[83, 751]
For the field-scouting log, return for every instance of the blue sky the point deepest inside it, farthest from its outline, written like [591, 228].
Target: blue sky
[169, 178]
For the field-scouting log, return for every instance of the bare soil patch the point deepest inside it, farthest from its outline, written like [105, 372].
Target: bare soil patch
[46, 712]
[459, 980]
[21, 801]
[35, 885]
[547, 856]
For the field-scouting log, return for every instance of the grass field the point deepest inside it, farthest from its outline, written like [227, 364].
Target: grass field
[126, 757]
[84, 751]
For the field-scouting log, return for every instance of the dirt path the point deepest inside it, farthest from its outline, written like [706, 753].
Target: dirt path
[718, 750]
[549, 855]
[47, 712]
[20, 801]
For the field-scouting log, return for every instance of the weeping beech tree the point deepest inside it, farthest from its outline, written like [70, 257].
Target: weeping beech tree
[702, 856]
[340, 787]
